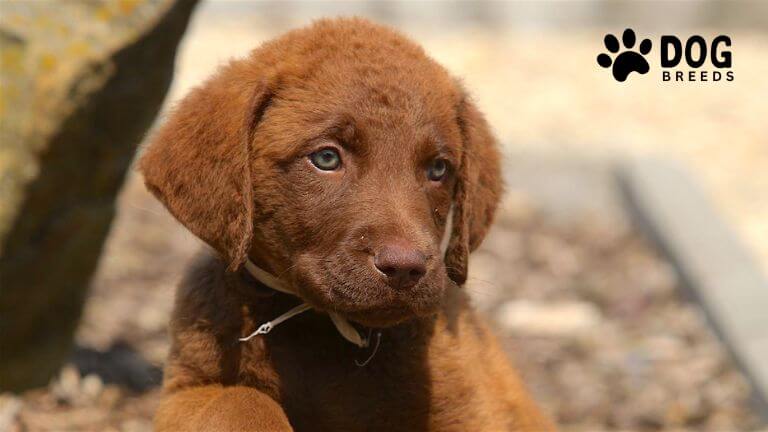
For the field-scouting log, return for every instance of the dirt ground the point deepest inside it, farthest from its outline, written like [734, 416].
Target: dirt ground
[589, 313]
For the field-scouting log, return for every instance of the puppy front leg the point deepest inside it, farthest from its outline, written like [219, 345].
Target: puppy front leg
[217, 408]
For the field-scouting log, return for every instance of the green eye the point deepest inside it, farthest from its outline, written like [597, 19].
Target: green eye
[326, 159]
[437, 169]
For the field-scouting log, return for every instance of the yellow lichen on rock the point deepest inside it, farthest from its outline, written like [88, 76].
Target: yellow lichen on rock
[81, 83]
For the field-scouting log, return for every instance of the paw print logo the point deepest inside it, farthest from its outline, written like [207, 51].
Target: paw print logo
[628, 61]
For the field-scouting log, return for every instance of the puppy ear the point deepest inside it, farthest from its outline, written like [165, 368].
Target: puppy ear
[477, 192]
[199, 163]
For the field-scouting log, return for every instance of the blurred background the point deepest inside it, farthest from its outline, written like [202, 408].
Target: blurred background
[591, 309]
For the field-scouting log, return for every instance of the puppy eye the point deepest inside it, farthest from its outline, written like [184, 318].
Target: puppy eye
[437, 169]
[326, 159]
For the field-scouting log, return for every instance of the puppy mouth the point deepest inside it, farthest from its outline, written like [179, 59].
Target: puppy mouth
[366, 300]
[389, 313]
[375, 313]
[382, 317]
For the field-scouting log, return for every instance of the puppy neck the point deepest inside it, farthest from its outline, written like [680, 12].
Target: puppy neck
[346, 329]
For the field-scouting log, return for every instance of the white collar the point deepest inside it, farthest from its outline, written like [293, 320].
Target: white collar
[342, 325]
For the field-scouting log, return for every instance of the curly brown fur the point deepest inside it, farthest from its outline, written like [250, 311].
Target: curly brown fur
[232, 164]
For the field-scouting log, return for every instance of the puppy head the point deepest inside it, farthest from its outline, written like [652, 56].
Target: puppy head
[332, 156]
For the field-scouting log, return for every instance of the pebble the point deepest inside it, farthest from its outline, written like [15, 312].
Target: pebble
[92, 386]
[10, 406]
[548, 319]
[67, 386]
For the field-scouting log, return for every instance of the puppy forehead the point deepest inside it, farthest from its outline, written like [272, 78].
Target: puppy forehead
[377, 107]
[352, 69]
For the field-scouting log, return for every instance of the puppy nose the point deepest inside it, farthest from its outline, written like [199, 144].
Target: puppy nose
[402, 264]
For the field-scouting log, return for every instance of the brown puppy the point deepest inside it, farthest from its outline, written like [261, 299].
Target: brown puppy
[331, 157]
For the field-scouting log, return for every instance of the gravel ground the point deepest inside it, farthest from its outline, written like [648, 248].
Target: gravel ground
[596, 323]
[590, 314]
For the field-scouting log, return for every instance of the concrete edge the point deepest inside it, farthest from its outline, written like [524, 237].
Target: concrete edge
[714, 267]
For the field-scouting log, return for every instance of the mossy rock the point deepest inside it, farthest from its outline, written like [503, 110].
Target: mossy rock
[80, 84]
